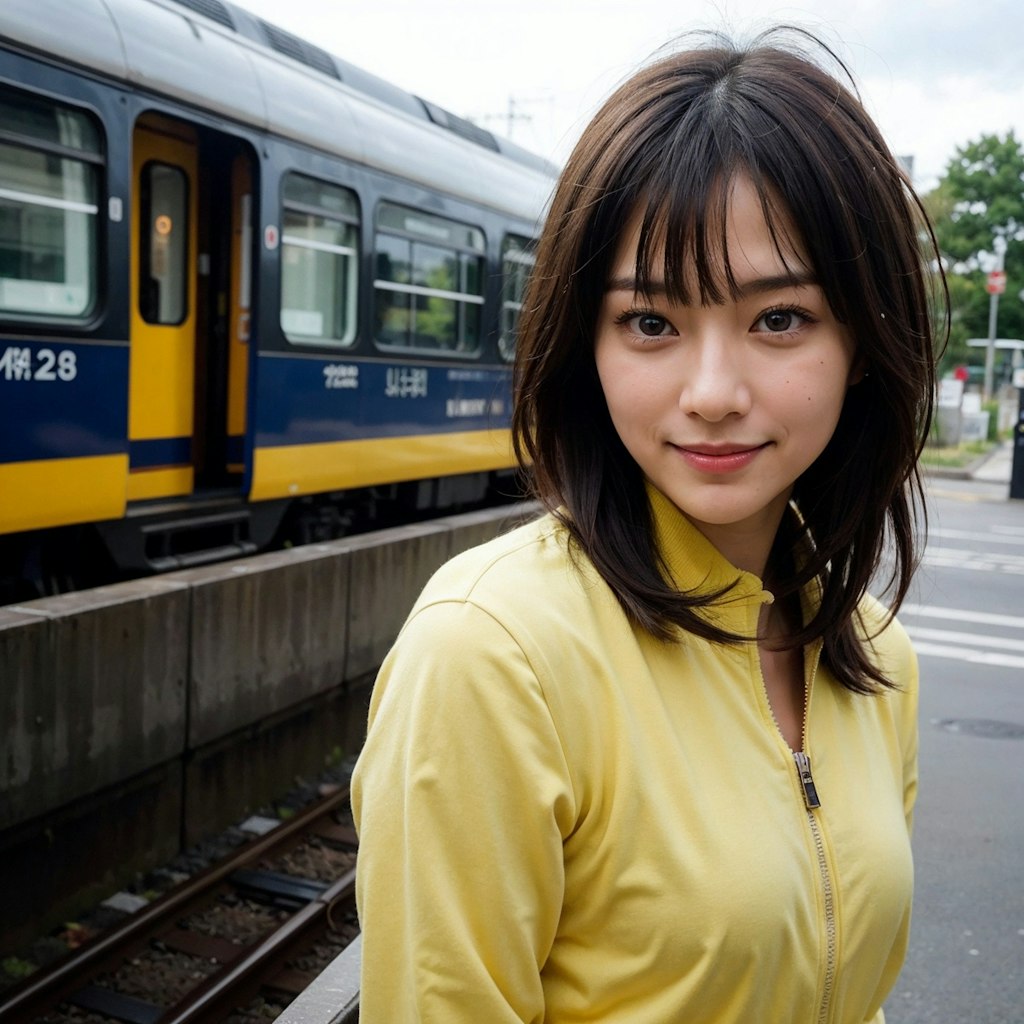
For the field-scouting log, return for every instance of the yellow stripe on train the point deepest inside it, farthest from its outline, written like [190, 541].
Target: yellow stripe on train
[55, 492]
[161, 482]
[337, 465]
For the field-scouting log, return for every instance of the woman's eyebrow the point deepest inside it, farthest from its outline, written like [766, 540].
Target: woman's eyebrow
[629, 284]
[776, 282]
[753, 286]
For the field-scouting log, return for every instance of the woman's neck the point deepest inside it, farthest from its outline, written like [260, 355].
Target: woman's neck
[747, 545]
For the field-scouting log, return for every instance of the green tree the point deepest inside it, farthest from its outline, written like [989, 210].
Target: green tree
[979, 199]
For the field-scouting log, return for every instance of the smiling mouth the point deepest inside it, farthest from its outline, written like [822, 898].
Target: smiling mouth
[719, 458]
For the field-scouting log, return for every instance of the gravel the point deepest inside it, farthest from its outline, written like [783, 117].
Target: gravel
[236, 918]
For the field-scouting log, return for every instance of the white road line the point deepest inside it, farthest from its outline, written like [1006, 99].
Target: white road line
[1005, 535]
[966, 654]
[950, 558]
[969, 555]
[961, 615]
[955, 637]
[934, 551]
[1016, 531]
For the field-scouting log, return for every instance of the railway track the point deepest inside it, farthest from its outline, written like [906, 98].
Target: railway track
[257, 925]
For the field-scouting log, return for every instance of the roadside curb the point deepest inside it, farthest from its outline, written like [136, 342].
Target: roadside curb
[969, 471]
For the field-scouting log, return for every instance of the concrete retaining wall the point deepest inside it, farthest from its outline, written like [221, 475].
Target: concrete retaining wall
[267, 632]
[237, 673]
[93, 692]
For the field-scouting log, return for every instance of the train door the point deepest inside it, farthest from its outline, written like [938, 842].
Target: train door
[190, 294]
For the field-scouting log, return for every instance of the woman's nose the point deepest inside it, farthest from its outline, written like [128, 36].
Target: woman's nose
[715, 383]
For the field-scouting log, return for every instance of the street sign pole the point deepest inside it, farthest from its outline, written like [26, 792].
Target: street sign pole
[996, 284]
[990, 348]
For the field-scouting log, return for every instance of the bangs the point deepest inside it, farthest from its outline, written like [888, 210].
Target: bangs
[673, 160]
[687, 230]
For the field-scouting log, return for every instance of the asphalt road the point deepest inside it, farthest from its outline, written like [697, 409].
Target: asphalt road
[966, 617]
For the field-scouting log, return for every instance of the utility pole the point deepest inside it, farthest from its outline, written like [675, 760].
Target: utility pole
[513, 115]
[996, 286]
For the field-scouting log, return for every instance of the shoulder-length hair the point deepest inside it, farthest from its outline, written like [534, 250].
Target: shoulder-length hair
[665, 147]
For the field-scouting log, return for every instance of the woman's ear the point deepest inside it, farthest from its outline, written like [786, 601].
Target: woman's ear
[858, 371]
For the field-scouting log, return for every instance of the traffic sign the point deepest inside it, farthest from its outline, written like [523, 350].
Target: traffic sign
[996, 283]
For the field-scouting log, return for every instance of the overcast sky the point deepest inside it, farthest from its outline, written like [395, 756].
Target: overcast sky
[934, 73]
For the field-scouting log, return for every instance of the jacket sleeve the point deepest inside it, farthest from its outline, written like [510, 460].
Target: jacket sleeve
[899, 660]
[462, 799]
[906, 700]
[909, 735]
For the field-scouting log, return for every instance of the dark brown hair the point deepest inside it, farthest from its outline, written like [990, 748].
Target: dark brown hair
[665, 146]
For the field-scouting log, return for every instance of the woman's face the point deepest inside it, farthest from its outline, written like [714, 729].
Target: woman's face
[724, 406]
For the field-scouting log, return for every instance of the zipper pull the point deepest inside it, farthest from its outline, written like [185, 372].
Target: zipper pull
[803, 768]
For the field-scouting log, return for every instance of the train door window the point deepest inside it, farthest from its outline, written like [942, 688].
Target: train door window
[163, 290]
[517, 260]
[50, 165]
[319, 263]
[429, 282]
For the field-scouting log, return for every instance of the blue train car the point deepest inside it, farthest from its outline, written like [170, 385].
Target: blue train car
[245, 289]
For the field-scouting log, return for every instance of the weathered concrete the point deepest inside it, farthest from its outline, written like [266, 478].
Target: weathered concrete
[334, 997]
[475, 528]
[387, 571]
[266, 633]
[93, 692]
[229, 779]
[69, 860]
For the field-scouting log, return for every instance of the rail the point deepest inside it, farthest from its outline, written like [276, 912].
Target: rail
[303, 909]
[334, 997]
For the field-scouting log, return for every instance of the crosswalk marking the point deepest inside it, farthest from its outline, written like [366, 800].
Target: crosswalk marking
[952, 636]
[961, 615]
[1012, 531]
[970, 655]
[997, 535]
[960, 645]
[966, 558]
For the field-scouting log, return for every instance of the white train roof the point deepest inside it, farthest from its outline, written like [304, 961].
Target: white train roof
[219, 57]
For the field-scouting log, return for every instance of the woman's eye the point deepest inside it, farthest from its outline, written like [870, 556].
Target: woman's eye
[779, 321]
[651, 326]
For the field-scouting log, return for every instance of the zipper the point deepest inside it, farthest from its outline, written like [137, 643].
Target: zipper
[831, 943]
[803, 770]
[812, 802]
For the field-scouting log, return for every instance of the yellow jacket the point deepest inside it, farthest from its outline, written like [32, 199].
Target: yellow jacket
[565, 820]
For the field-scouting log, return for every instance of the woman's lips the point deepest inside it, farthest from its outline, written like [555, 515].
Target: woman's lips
[724, 458]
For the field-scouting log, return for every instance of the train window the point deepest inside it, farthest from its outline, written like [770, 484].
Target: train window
[429, 282]
[319, 263]
[50, 164]
[163, 289]
[517, 261]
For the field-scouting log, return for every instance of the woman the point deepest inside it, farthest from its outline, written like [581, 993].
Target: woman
[653, 757]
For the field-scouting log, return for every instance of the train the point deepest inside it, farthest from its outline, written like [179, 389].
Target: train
[250, 294]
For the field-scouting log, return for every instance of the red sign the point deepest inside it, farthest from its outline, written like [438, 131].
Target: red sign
[996, 283]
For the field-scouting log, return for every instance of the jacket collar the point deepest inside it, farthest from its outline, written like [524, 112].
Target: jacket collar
[696, 565]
